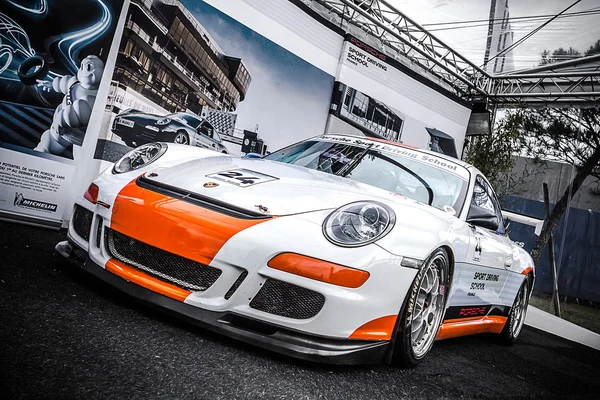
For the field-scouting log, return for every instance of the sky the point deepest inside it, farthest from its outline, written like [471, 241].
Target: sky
[579, 32]
[286, 110]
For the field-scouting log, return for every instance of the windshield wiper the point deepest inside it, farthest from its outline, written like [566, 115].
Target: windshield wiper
[354, 161]
[421, 180]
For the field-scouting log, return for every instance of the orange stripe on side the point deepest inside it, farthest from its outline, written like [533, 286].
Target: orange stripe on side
[377, 329]
[489, 324]
[173, 225]
[149, 282]
[319, 270]
[527, 270]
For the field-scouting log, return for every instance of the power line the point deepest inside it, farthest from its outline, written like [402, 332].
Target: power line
[533, 32]
[501, 20]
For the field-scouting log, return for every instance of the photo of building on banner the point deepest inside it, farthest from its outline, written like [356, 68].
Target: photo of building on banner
[187, 73]
[52, 59]
[377, 96]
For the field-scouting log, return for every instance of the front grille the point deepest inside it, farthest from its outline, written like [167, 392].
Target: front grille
[287, 300]
[177, 270]
[236, 285]
[82, 222]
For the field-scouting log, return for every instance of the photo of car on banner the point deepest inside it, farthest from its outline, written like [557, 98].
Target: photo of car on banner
[136, 129]
[338, 248]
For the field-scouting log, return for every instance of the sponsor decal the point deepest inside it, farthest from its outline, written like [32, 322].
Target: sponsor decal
[399, 150]
[368, 49]
[23, 202]
[472, 311]
[242, 177]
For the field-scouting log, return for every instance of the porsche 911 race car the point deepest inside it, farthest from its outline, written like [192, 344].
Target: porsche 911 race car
[338, 248]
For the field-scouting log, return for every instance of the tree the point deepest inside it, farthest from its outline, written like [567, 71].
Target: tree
[570, 135]
[594, 49]
[491, 154]
[494, 154]
[558, 55]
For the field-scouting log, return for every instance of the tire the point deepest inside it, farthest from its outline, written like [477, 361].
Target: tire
[516, 318]
[28, 77]
[409, 349]
[181, 137]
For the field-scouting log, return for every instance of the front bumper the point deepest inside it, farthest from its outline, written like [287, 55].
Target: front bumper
[136, 132]
[258, 333]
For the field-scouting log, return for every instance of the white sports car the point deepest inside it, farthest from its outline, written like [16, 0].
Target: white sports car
[338, 248]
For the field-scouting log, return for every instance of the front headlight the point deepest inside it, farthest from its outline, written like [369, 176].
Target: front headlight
[163, 121]
[358, 224]
[139, 157]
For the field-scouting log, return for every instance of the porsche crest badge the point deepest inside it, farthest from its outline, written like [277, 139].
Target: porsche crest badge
[210, 184]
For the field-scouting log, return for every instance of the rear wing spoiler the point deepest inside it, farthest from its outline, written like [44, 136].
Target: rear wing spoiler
[525, 219]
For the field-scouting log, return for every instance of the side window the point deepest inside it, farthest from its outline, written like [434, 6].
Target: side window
[483, 196]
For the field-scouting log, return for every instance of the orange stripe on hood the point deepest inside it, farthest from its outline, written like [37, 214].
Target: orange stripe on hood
[173, 225]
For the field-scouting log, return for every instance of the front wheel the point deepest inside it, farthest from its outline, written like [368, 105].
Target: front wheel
[180, 138]
[516, 317]
[422, 316]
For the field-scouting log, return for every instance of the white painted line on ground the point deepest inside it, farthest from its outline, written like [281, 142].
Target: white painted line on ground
[559, 327]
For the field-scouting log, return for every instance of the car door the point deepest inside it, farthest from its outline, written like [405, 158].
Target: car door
[205, 135]
[480, 280]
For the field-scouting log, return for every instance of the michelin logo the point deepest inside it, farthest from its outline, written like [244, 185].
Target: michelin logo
[21, 201]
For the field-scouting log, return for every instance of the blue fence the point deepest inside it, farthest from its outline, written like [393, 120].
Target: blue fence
[579, 266]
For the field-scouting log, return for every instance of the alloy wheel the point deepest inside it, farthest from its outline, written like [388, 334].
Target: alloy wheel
[181, 138]
[429, 306]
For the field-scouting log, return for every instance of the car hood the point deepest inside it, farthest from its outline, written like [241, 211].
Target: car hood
[282, 189]
[135, 116]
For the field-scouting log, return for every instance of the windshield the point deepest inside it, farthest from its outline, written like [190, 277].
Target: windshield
[416, 175]
[189, 119]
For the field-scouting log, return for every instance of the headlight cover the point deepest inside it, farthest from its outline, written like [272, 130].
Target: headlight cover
[139, 157]
[358, 224]
[163, 121]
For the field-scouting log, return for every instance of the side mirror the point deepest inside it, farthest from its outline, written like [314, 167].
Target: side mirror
[484, 218]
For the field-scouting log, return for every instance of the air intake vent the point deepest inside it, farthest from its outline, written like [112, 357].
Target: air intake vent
[287, 300]
[169, 267]
[82, 222]
[236, 285]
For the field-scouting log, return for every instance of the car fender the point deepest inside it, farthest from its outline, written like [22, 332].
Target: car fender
[418, 232]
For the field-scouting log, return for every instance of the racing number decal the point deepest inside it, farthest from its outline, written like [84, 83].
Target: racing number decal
[242, 177]
[477, 253]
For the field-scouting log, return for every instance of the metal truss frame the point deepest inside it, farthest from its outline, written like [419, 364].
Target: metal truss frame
[561, 85]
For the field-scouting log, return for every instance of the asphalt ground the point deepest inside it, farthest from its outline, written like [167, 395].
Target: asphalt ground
[65, 335]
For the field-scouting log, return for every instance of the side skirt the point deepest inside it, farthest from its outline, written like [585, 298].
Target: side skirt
[472, 320]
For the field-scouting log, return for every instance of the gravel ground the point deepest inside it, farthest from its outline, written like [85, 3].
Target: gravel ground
[66, 335]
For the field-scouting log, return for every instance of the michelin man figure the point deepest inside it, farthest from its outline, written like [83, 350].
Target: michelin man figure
[73, 114]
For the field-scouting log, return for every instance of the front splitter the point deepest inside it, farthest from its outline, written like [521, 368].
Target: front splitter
[258, 333]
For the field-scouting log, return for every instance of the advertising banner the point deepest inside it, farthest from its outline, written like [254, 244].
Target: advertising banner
[376, 95]
[52, 57]
[188, 73]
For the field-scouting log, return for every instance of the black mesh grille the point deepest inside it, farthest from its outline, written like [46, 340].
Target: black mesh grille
[287, 300]
[180, 271]
[82, 222]
[98, 231]
[236, 284]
